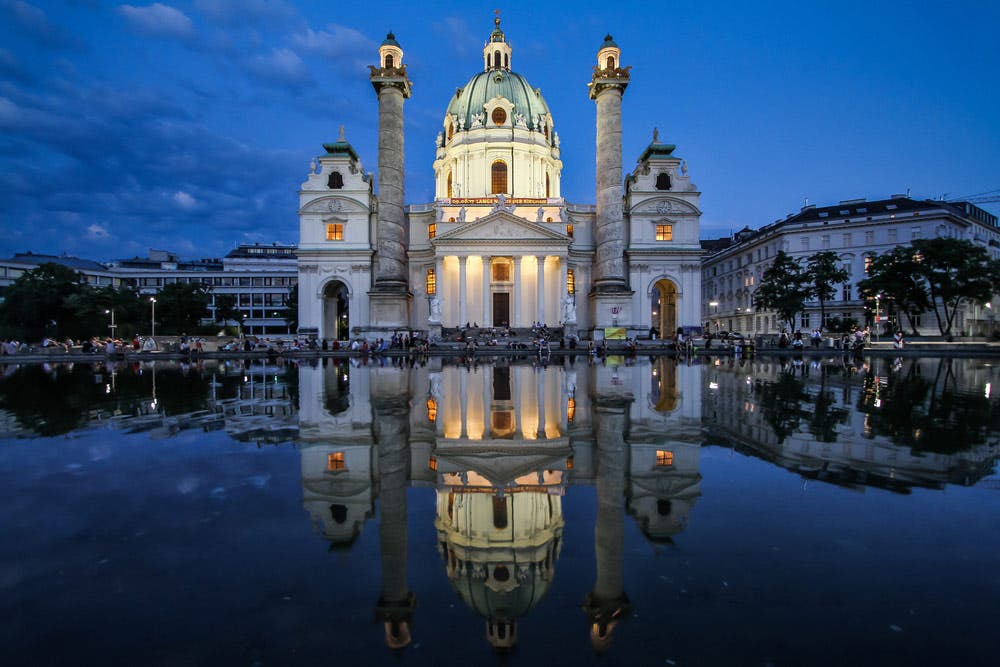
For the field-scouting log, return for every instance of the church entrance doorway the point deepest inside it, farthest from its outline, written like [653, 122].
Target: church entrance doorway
[501, 309]
[664, 308]
[336, 311]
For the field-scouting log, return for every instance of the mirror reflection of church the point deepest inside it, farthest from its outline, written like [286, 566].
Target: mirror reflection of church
[498, 244]
[500, 446]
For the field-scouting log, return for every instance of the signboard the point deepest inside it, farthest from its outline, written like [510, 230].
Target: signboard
[492, 201]
[614, 333]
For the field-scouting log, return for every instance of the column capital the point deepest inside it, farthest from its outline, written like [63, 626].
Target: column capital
[616, 78]
[390, 77]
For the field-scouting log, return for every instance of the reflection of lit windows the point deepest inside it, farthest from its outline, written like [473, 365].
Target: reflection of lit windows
[569, 463]
[664, 232]
[432, 463]
[664, 457]
[335, 231]
[431, 282]
[432, 230]
[432, 409]
[570, 282]
[501, 272]
[569, 231]
[570, 408]
[335, 461]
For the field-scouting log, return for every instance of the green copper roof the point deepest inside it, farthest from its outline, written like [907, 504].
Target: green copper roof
[390, 40]
[340, 148]
[608, 42]
[484, 86]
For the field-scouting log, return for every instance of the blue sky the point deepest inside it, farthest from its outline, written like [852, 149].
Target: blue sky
[189, 125]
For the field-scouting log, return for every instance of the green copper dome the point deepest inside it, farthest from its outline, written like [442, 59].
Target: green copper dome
[483, 87]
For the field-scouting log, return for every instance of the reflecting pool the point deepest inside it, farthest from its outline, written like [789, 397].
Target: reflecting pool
[642, 512]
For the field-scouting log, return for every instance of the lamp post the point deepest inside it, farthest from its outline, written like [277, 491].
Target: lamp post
[112, 326]
[715, 313]
[878, 303]
[152, 318]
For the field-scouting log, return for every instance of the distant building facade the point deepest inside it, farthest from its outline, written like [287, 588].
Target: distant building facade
[857, 230]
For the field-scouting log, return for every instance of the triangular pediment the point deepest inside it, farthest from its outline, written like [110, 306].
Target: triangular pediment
[504, 227]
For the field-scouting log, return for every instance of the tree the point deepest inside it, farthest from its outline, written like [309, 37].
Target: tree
[292, 309]
[894, 276]
[225, 308]
[953, 271]
[823, 272]
[180, 306]
[783, 288]
[39, 303]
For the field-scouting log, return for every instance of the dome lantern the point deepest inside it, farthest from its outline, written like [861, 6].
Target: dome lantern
[497, 52]
[609, 55]
[390, 53]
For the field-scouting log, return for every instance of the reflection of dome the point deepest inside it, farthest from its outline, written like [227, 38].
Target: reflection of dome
[485, 86]
[500, 553]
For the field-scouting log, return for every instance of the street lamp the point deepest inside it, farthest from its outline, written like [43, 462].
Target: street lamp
[112, 326]
[152, 317]
[878, 303]
[715, 312]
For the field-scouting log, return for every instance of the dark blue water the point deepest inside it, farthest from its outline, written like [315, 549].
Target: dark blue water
[637, 512]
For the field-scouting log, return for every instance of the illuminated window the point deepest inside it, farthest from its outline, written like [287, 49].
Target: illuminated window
[499, 177]
[611, 62]
[432, 410]
[664, 232]
[451, 131]
[664, 458]
[569, 231]
[431, 282]
[432, 230]
[569, 463]
[499, 116]
[868, 263]
[449, 185]
[547, 188]
[570, 413]
[334, 231]
[501, 272]
[570, 282]
[389, 62]
[335, 461]
[432, 463]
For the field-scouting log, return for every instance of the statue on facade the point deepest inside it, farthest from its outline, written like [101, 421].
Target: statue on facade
[435, 302]
[439, 142]
[478, 119]
[539, 214]
[312, 166]
[569, 308]
[461, 215]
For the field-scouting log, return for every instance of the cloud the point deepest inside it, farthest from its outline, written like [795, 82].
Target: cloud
[184, 200]
[32, 21]
[97, 233]
[455, 33]
[158, 20]
[247, 12]
[347, 50]
[281, 67]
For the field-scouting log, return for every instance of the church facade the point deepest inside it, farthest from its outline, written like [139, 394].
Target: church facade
[498, 245]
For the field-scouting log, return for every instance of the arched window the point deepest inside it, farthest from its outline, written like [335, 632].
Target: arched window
[335, 181]
[663, 181]
[451, 131]
[499, 116]
[496, 59]
[388, 61]
[449, 185]
[499, 177]
[506, 60]
[611, 62]
[548, 187]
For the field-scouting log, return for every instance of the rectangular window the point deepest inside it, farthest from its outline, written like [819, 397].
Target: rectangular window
[892, 236]
[847, 239]
[845, 293]
[431, 282]
[432, 463]
[664, 232]
[804, 321]
[825, 240]
[569, 231]
[869, 238]
[334, 231]
[432, 230]
[501, 272]
[335, 461]
[664, 458]
[915, 233]
[805, 243]
[570, 282]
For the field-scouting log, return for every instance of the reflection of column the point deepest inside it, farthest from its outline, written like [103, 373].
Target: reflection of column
[541, 403]
[541, 288]
[390, 403]
[515, 316]
[486, 320]
[464, 398]
[462, 291]
[607, 602]
[440, 285]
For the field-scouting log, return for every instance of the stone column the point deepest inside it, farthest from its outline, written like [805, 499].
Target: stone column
[390, 295]
[607, 603]
[462, 290]
[540, 284]
[541, 404]
[607, 88]
[486, 321]
[390, 405]
[515, 307]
